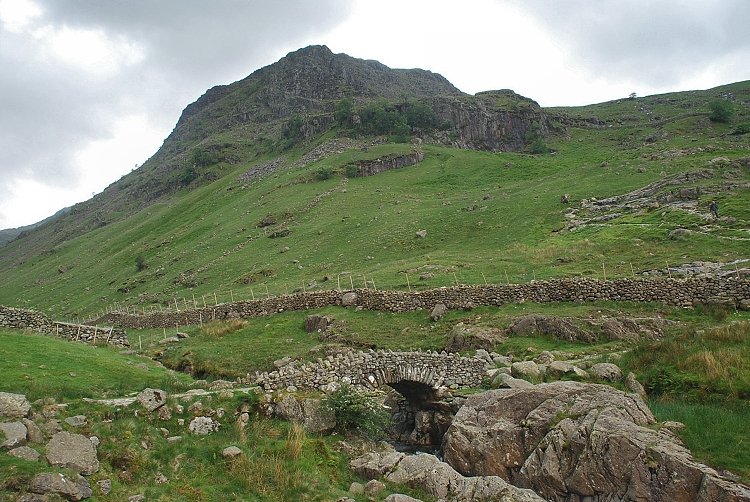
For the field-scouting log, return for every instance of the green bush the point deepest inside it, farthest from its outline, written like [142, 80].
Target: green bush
[344, 111]
[721, 110]
[324, 173]
[357, 412]
[140, 263]
[742, 129]
[351, 170]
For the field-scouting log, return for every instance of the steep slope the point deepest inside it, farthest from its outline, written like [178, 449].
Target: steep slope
[635, 177]
[234, 123]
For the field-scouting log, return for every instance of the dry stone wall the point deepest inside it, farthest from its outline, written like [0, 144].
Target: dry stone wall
[372, 167]
[679, 292]
[373, 369]
[29, 319]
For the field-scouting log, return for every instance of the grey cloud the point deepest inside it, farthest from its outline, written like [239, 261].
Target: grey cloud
[657, 42]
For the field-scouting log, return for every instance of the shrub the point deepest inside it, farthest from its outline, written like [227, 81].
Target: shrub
[344, 111]
[721, 110]
[742, 129]
[357, 412]
[351, 170]
[140, 263]
[324, 173]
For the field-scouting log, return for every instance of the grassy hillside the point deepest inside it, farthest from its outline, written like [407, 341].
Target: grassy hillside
[488, 216]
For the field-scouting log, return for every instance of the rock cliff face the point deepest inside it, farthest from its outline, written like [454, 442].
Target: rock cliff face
[493, 120]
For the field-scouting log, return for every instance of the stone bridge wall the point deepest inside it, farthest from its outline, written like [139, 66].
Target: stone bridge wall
[679, 292]
[29, 319]
[375, 368]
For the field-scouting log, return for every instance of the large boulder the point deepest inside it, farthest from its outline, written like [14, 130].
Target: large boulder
[463, 337]
[557, 327]
[579, 442]
[152, 399]
[13, 435]
[72, 488]
[306, 411]
[73, 451]
[14, 405]
[439, 479]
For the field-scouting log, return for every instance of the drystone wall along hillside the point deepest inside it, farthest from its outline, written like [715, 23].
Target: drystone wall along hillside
[372, 167]
[375, 368]
[732, 292]
[30, 319]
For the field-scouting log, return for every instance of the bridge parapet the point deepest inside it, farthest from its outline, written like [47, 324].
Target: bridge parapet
[373, 369]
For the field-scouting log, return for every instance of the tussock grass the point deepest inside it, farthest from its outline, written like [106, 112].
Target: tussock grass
[217, 329]
[698, 365]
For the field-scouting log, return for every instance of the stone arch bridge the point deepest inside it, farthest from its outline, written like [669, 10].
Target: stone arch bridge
[416, 375]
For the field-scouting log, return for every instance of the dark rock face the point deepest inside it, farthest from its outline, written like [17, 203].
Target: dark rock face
[575, 442]
[493, 120]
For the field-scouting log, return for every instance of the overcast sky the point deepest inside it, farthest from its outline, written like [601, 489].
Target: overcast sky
[90, 88]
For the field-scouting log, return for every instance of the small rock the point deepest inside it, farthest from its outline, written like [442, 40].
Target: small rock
[203, 425]
[72, 488]
[174, 439]
[105, 486]
[400, 497]
[136, 498]
[161, 479]
[374, 487]
[25, 453]
[95, 441]
[76, 421]
[526, 370]
[349, 299]
[438, 311]
[14, 405]
[34, 434]
[220, 385]
[151, 399]
[421, 234]
[231, 452]
[634, 386]
[546, 357]
[357, 488]
[164, 413]
[606, 371]
[14, 433]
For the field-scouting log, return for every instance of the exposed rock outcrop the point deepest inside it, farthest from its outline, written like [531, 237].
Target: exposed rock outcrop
[438, 478]
[570, 441]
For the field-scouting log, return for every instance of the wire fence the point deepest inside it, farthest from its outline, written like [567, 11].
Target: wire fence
[407, 281]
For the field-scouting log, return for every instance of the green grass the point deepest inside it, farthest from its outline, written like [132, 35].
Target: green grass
[491, 217]
[41, 367]
[280, 461]
[254, 344]
[696, 365]
[717, 433]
